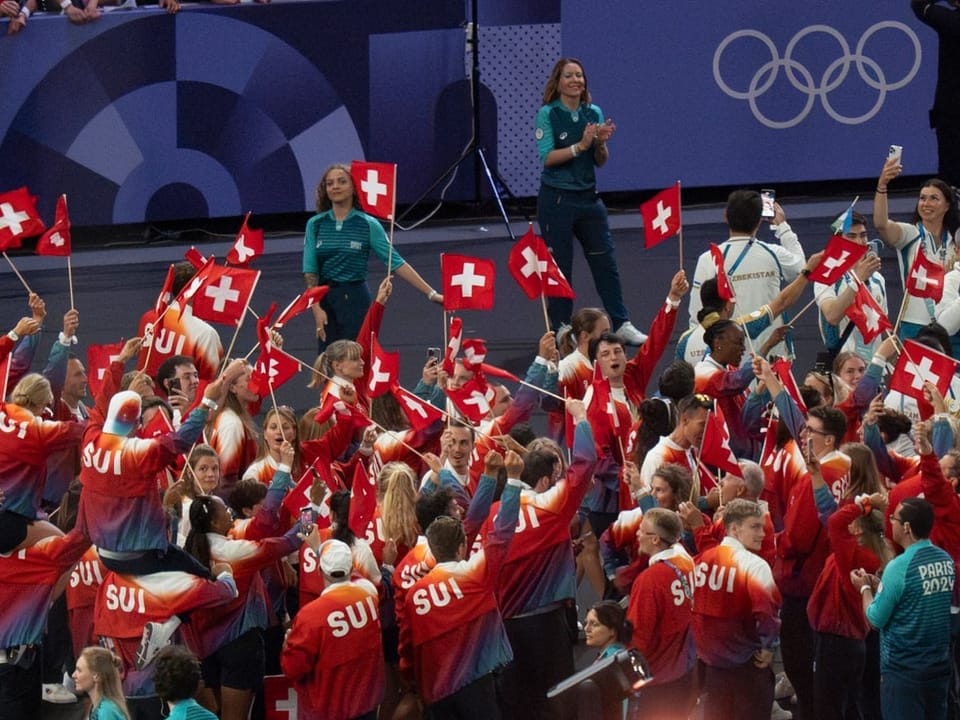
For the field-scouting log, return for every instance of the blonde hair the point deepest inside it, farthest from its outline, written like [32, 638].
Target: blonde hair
[106, 668]
[398, 498]
[32, 392]
[282, 413]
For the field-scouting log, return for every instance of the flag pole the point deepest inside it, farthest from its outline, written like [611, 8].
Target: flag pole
[903, 307]
[69, 265]
[393, 213]
[543, 304]
[680, 214]
[70, 282]
[540, 390]
[17, 273]
[246, 309]
[802, 311]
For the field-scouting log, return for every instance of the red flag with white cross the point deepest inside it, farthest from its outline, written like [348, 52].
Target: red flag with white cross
[273, 367]
[474, 399]
[363, 500]
[724, 288]
[18, 218]
[925, 279]
[467, 282]
[839, 256]
[918, 364]
[224, 296]
[56, 240]
[304, 301]
[420, 413]
[536, 272]
[869, 318]
[715, 446]
[661, 216]
[247, 246]
[376, 186]
[384, 370]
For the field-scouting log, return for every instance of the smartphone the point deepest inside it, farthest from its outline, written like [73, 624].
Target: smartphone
[768, 197]
[809, 449]
[433, 353]
[895, 153]
[306, 517]
[173, 385]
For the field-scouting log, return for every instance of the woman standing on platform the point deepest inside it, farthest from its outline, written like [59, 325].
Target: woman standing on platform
[932, 230]
[335, 251]
[572, 140]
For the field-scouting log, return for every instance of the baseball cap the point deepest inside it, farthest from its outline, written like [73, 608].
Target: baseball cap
[123, 414]
[336, 559]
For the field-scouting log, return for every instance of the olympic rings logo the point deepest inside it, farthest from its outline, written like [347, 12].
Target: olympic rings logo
[802, 79]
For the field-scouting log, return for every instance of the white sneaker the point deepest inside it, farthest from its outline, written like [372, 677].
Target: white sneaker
[783, 688]
[630, 335]
[57, 693]
[778, 713]
[155, 636]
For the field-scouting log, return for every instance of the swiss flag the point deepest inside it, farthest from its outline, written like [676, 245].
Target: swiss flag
[273, 367]
[536, 272]
[363, 500]
[199, 278]
[784, 371]
[302, 302]
[474, 399]
[384, 371]
[421, 414]
[925, 279]
[474, 353]
[661, 216]
[247, 246]
[195, 257]
[224, 296]
[56, 240]
[919, 364]
[376, 186]
[715, 446]
[99, 358]
[867, 315]
[18, 218]
[279, 695]
[839, 256]
[166, 293]
[467, 282]
[724, 288]
[454, 337]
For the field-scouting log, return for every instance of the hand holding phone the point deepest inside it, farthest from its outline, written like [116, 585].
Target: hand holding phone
[768, 197]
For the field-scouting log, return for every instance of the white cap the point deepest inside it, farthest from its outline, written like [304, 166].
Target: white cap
[123, 414]
[336, 559]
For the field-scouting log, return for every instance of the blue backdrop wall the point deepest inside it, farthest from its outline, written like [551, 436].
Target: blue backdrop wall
[144, 116]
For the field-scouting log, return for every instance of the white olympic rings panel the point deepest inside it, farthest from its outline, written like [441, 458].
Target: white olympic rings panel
[832, 78]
